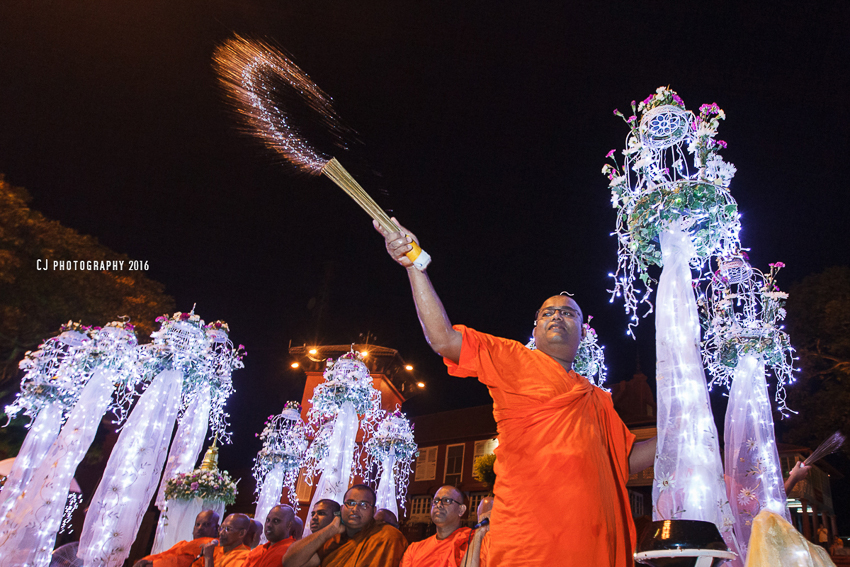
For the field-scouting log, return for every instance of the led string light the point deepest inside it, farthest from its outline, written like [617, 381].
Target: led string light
[337, 403]
[278, 463]
[391, 450]
[671, 173]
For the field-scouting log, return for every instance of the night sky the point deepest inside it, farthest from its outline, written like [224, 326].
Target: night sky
[482, 125]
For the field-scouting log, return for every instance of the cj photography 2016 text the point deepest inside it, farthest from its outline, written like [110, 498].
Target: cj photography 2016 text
[90, 265]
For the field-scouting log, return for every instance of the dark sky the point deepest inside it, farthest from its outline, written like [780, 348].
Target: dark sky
[484, 126]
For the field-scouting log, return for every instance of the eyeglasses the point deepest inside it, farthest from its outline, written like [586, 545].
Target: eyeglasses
[228, 529]
[565, 312]
[444, 501]
[363, 505]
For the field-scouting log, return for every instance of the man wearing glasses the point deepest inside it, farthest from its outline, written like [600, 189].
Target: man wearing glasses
[229, 550]
[353, 539]
[564, 454]
[447, 547]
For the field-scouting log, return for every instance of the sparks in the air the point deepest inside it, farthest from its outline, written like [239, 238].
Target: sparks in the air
[249, 70]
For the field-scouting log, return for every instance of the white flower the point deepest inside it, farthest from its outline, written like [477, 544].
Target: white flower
[751, 444]
[666, 482]
[745, 495]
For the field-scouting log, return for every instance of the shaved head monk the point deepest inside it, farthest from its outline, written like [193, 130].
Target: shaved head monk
[479, 549]
[386, 516]
[560, 440]
[183, 553]
[352, 539]
[229, 550]
[252, 538]
[278, 529]
[447, 547]
[297, 528]
[323, 514]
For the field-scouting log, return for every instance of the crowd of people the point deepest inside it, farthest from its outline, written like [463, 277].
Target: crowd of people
[354, 533]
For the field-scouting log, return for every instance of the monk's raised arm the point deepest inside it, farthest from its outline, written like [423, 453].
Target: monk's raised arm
[304, 552]
[443, 340]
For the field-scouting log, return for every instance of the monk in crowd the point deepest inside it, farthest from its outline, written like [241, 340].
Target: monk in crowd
[387, 517]
[278, 529]
[322, 514]
[479, 549]
[446, 548]
[183, 553]
[352, 539]
[252, 538]
[229, 550]
[560, 440]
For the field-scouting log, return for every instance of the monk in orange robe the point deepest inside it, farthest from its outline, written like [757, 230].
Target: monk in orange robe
[279, 531]
[228, 550]
[564, 455]
[447, 547]
[478, 551]
[183, 553]
[353, 539]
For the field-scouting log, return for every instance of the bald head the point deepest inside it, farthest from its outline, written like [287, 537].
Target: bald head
[233, 531]
[484, 507]
[558, 329]
[279, 523]
[387, 517]
[252, 538]
[446, 510]
[206, 525]
[298, 528]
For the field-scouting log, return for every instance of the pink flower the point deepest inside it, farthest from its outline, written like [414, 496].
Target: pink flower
[777, 265]
[184, 316]
[610, 154]
[631, 119]
[194, 486]
[721, 143]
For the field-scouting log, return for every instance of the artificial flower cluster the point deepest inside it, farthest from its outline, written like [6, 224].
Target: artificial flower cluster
[346, 380]
[207, 485]
[671, 175]
[392, 445]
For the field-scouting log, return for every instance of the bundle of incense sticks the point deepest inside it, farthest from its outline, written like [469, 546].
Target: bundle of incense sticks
[336, 173]
[831, 445]
[248, 70]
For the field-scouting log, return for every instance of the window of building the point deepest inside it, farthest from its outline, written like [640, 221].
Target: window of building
[454, 464]
[426, 464]
[474, 500]
[420, 509]
[483, 447]
[636, 502]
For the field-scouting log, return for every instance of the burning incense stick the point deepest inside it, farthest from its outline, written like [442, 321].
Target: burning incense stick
[831, 445]
[248, 69]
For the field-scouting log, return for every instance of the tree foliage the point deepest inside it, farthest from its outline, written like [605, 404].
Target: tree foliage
[34, 303]
[819, 325]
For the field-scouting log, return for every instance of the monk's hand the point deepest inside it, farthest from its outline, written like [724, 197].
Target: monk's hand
[336, 526]
[398, 243]
[209, 549]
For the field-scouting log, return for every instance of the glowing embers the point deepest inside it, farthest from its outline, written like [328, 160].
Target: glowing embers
[255, 77]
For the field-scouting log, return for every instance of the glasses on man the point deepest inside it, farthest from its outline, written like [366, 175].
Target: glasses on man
[363, 505]
[565, 312]
[229, 529]
[443, 502]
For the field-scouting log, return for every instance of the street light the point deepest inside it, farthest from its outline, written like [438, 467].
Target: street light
[421, 384]
[295, 365]
[408, 367]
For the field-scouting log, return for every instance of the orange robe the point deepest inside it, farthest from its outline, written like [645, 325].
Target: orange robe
[433, 552]
[235, 558]
[269, 554]
[376, 545]
[562, 461]
[181, 554]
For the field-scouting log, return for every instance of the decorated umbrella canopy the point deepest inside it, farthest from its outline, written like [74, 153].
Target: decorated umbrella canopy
[743, 310]
[674, 210]
[391, 449]
[279, 461]
[136, 462]
[207, 385]
[28, 531]
[50, 387]
[346, 393]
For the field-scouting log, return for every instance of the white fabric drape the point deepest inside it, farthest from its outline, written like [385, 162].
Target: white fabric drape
[386, 486]
[28, 532]
[336, 467]
[184, 452]
[132, 473]
[39, 438]
[181, 516]
[270, 494]
[753, 474]
[689, 482]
